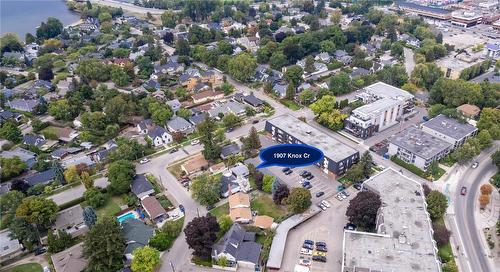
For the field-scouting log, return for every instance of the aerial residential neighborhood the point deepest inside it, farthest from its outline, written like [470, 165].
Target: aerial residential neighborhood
[135, 135]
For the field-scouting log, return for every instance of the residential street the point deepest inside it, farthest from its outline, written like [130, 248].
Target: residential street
[470, 237]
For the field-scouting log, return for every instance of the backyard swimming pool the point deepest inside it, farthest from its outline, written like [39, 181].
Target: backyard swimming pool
[129, 214]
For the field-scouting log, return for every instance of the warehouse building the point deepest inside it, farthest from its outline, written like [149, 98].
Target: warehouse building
[338, 156]
[403, 240]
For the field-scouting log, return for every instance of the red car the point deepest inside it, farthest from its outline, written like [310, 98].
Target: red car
[463, 191]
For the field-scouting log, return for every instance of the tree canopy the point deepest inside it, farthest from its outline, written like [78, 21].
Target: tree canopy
[201, 234]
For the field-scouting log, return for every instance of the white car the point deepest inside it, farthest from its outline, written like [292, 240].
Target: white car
[474, 165]
[143, 161]
[305, 262]
[326, 203]
[306, 251]
[195, 142]
[322, 207]
[46, 269]
[338, 197]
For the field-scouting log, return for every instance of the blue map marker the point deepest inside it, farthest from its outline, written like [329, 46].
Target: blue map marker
[289, 155]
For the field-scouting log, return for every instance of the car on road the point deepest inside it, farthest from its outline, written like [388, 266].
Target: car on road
[326, 203]
[229, 129]
[195, 142]
[474, 165]
[306, 251]
[40, 250]
[305, 262]
[320, 194]
[321, 248]
[143, 161]
[350, 226]
[319, 259]
[319, 253]
[255, 121]
[308, 246]
[309, 242]
[173, 150]
[463, 191]
[182, 208]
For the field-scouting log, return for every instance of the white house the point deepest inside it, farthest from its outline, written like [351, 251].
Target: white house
[159, 136]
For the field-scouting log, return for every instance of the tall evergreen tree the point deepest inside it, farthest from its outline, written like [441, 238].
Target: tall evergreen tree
[211, 150]
[104, 246]
[58, 171]
[89, 216]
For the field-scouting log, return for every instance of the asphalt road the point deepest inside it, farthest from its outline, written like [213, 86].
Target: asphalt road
[128, 7]
[476, 259]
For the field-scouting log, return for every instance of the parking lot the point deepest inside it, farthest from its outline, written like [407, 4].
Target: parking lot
[320, 183]
[328, 227]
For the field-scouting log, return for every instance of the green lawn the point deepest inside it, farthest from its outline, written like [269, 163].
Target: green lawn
[220, 211]
[111, 208]
[264, 205]
[290, 104]
[176, 169]
[28, 267]
[445, 253]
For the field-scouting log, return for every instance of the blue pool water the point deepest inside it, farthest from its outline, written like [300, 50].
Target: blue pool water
[124, 216]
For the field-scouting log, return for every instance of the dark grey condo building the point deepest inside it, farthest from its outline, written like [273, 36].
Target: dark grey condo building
[290, 130]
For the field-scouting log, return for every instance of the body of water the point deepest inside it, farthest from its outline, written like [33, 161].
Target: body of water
[23, 16]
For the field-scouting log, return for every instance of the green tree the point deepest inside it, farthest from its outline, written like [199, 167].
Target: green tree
[290, 91]
[59, 242]
[299, 200]
[327, 46]
[293, 75]
[242, 67]
[324, 104]
[355, 173]
[145, 66]
[424, 75]
[253, 139]
[495, 158]
[24, 231]
[63, 110]
[120, 176]
[10, 43]
[340, 83]
[267, 183]
[89, 216]
[211, 149]
[333, 120]
[366, 161]
[94, 197]
[363, 209]
[490, 120]
[38, 210]
[182, 47]
[231, 120]
[12, 167]
[119, 76]
[104, 245]
[11, 132]
[393, 75]
[465, 153]
[436, 204]
[71, 174]
[201, 234]
[206, 189]
[51, 29]
[184, 113]
[146, 259]
[484, 139]
[225, 223]
[450, 266]
[278, 60]
[10, 201]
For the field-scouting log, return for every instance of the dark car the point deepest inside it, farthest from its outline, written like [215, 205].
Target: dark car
[288, 172]
[463, 191]
[357, 186]
[302, 173]
[40, 250]
[285, 169]
[323, 244]
[173, 150]
[309, 177]
[319, 194]
[350, 226]
[309, 242]
[305, 173]
[255, 121]
[308, 246]
[319, 259]
[229, 129]
[209, 207]
[308, 186]
[182, 208]
[321, 248]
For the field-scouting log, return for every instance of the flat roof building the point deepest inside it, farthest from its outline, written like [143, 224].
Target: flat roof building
[417, 147]
[424, 11]
[288, 129]
[465, 18]
[403, 239]
[450, 130]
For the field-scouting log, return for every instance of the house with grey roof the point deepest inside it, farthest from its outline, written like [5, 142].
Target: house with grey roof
[238, 247]
[141, 187]
[343, 57]
[449, 129]
[198, 118]
[78, 159]
[414, 146]
[27, 156]
[280, 89]
[179, 124]
[159, 136]
[34, 140]
[70, 260]
[252, 100]
[229, 150]
[44, 177]
[174, 104]
[136, 234]
[324, 57]
[21, 104]
[10, 248]
[6, 115]
[71, 221]
[144, 126]
[228, 185]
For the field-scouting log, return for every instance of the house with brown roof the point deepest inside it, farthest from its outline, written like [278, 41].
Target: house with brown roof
[468, 110]
[154, 209]
[239, 208]
[195, 164]
[263, 222]
[207, 96]
[70, 260]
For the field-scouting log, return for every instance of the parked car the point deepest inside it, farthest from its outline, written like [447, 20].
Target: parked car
[229, 129]
[143, 161]
[195, 142]
[345, 193]
[285, 169]
[40, 250]
[319, 259]
[210, 207]
[305, 173]
[173, 150]
[182, 208]
[474, 165]
[350, 226]
[306, 251]
[321, 248]
[309, 242]
[321, 244]
[319, 253]
[308, 186]
[326, 203]
[288, 172]
[320, 194]
[309, 177]
[463, 191]
[255, 121]
[46, 269]
[357, 186]
[321, 206]
[306, 183]
[340, 188]
[308, 246]
[305, 262]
